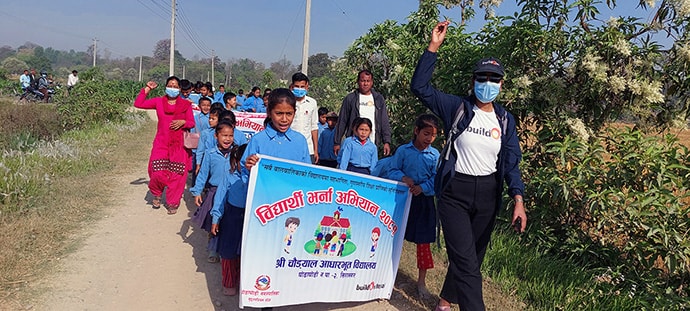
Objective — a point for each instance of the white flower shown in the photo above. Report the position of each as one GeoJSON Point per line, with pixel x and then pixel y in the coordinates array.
{"type": "Point", "coordinates": [683, 52]}
{"type": "Point", "coordinates": [652, 92]}
{"type": "Point", "coordinates": [623, 47]}
{"type": "Point", "coordinates": [635, 87]}
{"type": "Point", "coordinates": [651, 3]}
{"type": "Point", "coordinates": [392, 45]}
{"type": "Point", "coordinates": [614, 22]}
{"type": "Point", "coordinates": [523, 81]}
{"type": "Point", "coordinates": [578, 128]}
{"type": "Point", "coordinates": [617, 84]}
{"type": "Point", "coordinates": [682, 7]}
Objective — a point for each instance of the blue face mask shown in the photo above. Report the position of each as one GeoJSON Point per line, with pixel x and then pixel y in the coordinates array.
{"type": "Point", "coordinates": [172, 92]}
{"type": "Point", "coordinates": [299, 92]}
{"type": "Point", "coordinates": [487, 91]}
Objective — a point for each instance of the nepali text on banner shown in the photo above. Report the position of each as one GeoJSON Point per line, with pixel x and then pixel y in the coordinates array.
{"type": "Point", "coordinates": [317, 234]}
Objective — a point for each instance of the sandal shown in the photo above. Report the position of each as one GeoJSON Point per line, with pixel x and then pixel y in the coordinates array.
{"type": "Point", "coordinates": [172, 209]}
{"type": "Point", "coordinates": [156, 202]}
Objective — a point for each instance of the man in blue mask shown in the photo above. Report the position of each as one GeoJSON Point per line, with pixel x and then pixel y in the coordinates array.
{"type": "Point", "coordinates": [306, 119]}
{"type": "Point", "coordinates": [481, 154]}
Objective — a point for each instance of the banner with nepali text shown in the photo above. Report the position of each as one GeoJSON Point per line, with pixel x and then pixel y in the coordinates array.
{"type": "Point", "coordinates": [317, 234]}
{"type": "Point", "coordinates": [249, 123]}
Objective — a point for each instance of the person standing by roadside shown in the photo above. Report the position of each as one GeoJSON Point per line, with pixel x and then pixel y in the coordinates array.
{"type": "Point", "coordinates": [24, 80]}
{"type": "Point", "coordinates": [482, 152]}
{"type": "Point", "coordinates": [72, 80]}
{"type": "Point", "coordinates": [366, 103]}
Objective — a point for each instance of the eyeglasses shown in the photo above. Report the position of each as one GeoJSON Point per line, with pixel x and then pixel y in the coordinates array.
{"type": "Point", "coordinates": [482, 79]}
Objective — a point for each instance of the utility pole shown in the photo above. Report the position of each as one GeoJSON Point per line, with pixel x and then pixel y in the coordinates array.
{"type": "Point", "coordinates": [213, 74]}
{"type": "Point", "coordinates": [94, 51]}
{"type": "Point", "coordinates": [140, 61]}
{"type": "Point", "coordinates": [172, 40]}
{"type": "Point", "coordinates": [184, 71]}
{"type": "Point", "coordinates": [305, 46]}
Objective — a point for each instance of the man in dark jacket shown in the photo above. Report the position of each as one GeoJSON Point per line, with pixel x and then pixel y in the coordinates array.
{"type": "Point", "coordinates": [366, 103]}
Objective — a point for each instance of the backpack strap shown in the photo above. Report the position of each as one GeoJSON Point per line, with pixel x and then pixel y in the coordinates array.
{"type": "Point", "coordinates": [452, 135]}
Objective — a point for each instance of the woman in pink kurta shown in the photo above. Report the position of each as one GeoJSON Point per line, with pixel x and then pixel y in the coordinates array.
{"type": "Point", "coordinates": [170, 160]}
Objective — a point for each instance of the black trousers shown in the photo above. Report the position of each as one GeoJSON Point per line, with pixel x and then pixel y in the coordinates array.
{"type": "Point", "coordinates": [467, 210]}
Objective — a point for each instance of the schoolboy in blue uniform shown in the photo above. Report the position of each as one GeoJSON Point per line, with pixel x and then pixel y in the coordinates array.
{"type": "Point", "coordinates": [208, 141]}
{"type": "Point", "coordinates": [326, 155]}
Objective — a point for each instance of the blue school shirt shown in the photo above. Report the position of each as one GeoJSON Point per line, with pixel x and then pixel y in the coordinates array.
{"type": "Point", "coordinates": [201, 122]}
{"type": "Point", "coordinates": [214, 168]}
{"type": "Point", "coordinates": [418, 165]}
{"type": "Point", "coordinates": [321, 128]}
{"type": "Point", "coordinates": [326, 145]}
{"type": "Point", "coordinates": [233, 190]}
{"type": "Point", "coordinates": [240, 100]}
{"type": "Point", "coordinates": [252, 103]}
{"type": "Point", "coordinates": [360, 155]}
{"type": "Point", "coordinates": [261, 108]}
{"type": "Point", "coordinates": [290, 145]}
{"type": "Point", "coordinates": [218, 97]}
{"type": "Point", "coordinates": [195, 97]}
{"type": "Point", "coordinates": [206, 142]}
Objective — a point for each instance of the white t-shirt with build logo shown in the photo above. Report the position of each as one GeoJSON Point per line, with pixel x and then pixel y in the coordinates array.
{"type": "Point", "coordinates": [479, 144]}
{"type": "Point", "coordinates": [368, 110]}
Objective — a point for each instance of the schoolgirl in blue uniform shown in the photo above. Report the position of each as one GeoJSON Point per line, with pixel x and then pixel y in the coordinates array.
{"type": "Point", "coordinates": [415, 164]}
{"type": "Point", "coordinates": [277, 139]}
{"type": "Point", "coordinates": [228, 213]}
{"type": "Point", "coordinates": [213, 169]}
{"type": "Point", "coordinates": [358, 153]}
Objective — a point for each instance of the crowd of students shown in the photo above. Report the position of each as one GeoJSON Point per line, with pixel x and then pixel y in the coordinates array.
{"type": "Point", "coordinates": [296, 129]}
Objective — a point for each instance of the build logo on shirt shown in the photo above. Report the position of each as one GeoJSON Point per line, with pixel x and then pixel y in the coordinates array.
{"type": "Point", "coordinates": [494, 133]}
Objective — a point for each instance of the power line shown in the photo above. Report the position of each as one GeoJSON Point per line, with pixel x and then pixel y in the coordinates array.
{"type": "Point", "coordinates": [297, 17]}
{"type": "Point", "coordinates": [154, 11]}
{"type": "Point", "coordinates": [192, 35]}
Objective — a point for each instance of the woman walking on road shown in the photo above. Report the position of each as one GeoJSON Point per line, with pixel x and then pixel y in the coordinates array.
{"type": "Point", "coordinates": [170, 160]}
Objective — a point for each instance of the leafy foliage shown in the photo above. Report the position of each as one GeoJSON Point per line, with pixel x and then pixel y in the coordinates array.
{"type": "Point", "coordinates": [96, 101]}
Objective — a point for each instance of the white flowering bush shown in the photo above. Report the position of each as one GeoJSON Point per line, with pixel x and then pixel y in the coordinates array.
{"type": "Point", "coordinates": [603, 199]}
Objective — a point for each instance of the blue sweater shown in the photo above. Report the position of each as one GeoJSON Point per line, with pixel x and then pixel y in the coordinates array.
{"type": "Point", "coordinates": [418, 165]}
{"type": "Point", "coordinates": [445, 106]}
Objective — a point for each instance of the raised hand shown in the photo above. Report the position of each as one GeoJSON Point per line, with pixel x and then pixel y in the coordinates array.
{"type": "Point", "coordinates": [438, 34]}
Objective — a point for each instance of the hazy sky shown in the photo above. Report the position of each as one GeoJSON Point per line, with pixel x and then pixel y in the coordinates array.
{"type": "Point", "coordinates": [264, 30]}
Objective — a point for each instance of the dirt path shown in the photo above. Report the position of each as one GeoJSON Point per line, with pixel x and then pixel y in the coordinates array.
{"type": "Point", "coordinates": [138, 258]}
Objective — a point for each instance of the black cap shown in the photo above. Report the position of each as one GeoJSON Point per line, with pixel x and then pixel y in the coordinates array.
{"type": "Point", "coordinates": [489, 64]}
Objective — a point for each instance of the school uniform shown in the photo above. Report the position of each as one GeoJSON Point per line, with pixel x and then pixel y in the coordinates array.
{"type": "Point", "coordinates": [326, 155]}
{"type": "Point", "coordinates": [212, 172]}
{"type": "Point", "coordinates": [358, 156]}
{"type": "Point", "coordinates": [290, 145]}
{"type": "Point", "coordinates": [421, 167]}
{"type": "Point", "coordinates": [208, 140]}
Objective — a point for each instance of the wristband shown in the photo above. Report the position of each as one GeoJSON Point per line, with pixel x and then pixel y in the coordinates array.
{"type": "Point", "coordinates": [519, 200]}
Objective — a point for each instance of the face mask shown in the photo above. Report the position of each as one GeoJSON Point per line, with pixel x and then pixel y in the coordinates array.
{"type": "Point", "coordinates": [486, 92]}
{"type": "Point", "coordinates": [299, 92]}
{"type": "Point", "coordinates": [172, 92]}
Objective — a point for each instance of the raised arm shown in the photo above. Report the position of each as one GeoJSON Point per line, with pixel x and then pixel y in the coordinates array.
{"type": "Point", "coordinates": [141, 102]}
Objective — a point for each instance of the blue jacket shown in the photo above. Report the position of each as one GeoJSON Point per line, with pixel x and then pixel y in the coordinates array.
{"type": "Point", "coordinates": [446, 106]}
